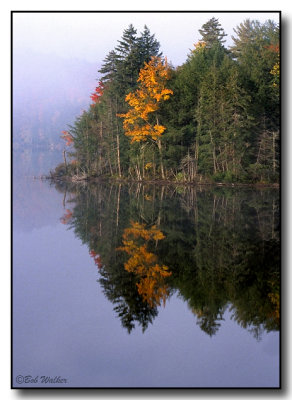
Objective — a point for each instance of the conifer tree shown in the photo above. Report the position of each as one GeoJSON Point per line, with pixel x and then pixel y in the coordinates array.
{"type": "Point", "coordinates": [212, 33]}
{"type": "Point", "coordinates": [221, 120]}
{"type": "Point", "coordinates": [148, 46]}
{"type": "Point", "coordinates": [246, 33]}
{"type": "Point", "coordinates": [256, 49]}
{"type": "Point", "coordinates": [128, 60]}
{"type": "Point", "coordinates": [109, 67]}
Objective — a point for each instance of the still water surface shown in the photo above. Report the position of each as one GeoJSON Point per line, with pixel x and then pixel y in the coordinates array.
{"type": "Point", "coordinates": [145, 286]}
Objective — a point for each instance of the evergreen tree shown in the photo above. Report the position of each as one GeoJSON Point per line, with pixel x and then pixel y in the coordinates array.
{"type": "Point", "coordinates": [212, 33]}
{"type": "Point", "coordinates": [109, 67]}
{"type": "Point", "coordinates": [128, 60]}
{"type": "Point", "coordinates": [246, 34]}
{"type": "Point", "coordinates": [221, 121]}
{"type": "Point", "coordinates": [148, 46]}
{"type": "Point", "coordinates": [256, 49]}
{"type": "Point", "coordinates": [127, 42]}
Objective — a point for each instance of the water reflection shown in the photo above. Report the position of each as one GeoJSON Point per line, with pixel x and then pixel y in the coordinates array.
{"type": "Point", "coordinates": [144, 264]}
{"type": "Point", "coordinates": [218, 248]}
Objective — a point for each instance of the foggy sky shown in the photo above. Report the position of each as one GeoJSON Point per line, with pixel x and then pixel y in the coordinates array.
{"type": "Point", "coordinates": [90, 36]}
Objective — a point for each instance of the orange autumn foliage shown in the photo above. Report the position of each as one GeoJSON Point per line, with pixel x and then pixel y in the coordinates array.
{"type": "Point", "coordinates": [199, 45]}
{"type": "Point", "coordinates": [145, 101]}
{"type": "Point", "coordinates": [66, 217]}
{"type": "Point", "coordinates": [151, 285]}
{"type": "Point", "coordinates": [67, 137]}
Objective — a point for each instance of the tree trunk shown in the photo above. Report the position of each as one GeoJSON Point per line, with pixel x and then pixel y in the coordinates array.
{"type": "Point", "coordinates": [160, 158]}
{"type": "Point", "coordinates": [274, 152]}
{"type": "Point", "coordinates": [118, 154]}
{"type": "Point", "coordinates": [65, 161]}
{"type": "Point", "coordinates": [110, 165]}
{"type": "Point", "coordinates": [118, 207]}
{"type": "Point", "coordinates": [196, 156]}
{"type": "Point", "coordinates": [214, 153]}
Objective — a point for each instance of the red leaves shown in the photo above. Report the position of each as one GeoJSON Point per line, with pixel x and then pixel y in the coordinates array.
{"type": "Point", "coordinates": [274, 48]}
{"type": "Point", "coordinates": [96, 258]}
{"type": "Point", "coordinates": [67, 137]}
{"type": "Point", "coordinates": [66, 217]}
{"type": "Point", "coordinates": [95, 97]}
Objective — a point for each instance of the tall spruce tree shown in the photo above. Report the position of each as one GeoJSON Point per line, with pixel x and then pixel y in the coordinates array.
{"type": "Point", "coordinates": [212, 32]}
{"type": "Point", "coordinates": [148, 46]}
{"type": "Point", "coordinates": [128, 60]}
{"type": "Point", "coordinates": [222, 121]}
{"type": "Point", "coordinates": [109, 67]}
{"type": "Point", "coordinates": [246, 33]}
{"type": "Point", "coordinates": [256, 49]}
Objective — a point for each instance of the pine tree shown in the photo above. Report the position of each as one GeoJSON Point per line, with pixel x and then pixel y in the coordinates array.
{"type": "Point", "coordinates": [109, 67]}
{"type": "Point", "coordinates": [127, 42]}
{"type": "Point", "coordinates": [128, 59]}
{"type": "Point", "coordinates": [148, 46]}
{"type": "Point", "coordinates": [256, 49]}
{"type": "Point", "coordinates": [246, 34]}
{"type": "Point", "coordinates": [221, 120]}
{"type": "Point", "coordinates": [212, 33]}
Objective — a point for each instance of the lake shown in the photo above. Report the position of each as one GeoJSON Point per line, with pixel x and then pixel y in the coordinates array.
{"type": "Point", "coordinates": [145, 285]}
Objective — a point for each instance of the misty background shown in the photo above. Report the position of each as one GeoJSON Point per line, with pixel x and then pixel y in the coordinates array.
{"type": "Point", "coordinates": [56, 58]}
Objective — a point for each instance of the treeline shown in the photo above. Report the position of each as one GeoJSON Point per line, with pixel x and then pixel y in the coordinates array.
{"type": "Point", "coordinates": [216, 248]}
{"type": "Point", "coordinates": [214, 118]}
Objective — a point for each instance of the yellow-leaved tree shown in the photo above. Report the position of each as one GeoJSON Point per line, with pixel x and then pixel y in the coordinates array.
{"type": "Point", "coordinates": [141, 121]}
{"type": "Point", "coordinates": [144, 264]}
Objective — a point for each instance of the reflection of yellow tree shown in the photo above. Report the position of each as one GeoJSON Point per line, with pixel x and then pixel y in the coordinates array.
{"type": "Point", "coordinates": [144, 264]}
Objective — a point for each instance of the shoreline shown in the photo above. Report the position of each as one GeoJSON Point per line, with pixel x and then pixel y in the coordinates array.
{"type": "Point", "coordinates": [257, 185]}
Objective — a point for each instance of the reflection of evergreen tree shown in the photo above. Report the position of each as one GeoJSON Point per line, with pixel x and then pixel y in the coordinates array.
{"type": "Point", "coordinates": [236, 259]}
{"type": "Point", "coordinates": [100, 215]}
{"type": "Point", "coordinates": [220, 245]}
{"type": "Point", "coordinates": [208, 319]}
{"type": "Point", "coordinates": [120, 288]}
{"type": "Point", "coordinates": [256, 275]}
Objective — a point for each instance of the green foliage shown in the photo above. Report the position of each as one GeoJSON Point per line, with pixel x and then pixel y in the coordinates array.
{"type": "Point", "coordinates": [212, 33]}
{"type": "Point", "coordinates": [221, 123]}
{"type": "Point", "coordinates": [59, 171]}
{"type": "Point", "coordinates": [220, 245]}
